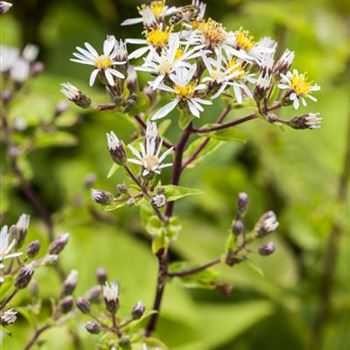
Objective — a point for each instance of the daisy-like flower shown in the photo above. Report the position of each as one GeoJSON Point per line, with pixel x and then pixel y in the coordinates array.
{"type": "Point", "coordinates": [156, 38]}
{"type": "Point", "coordinates": [170, 58]}
{"type": "Point", "coordinates": [8, 317]}
{"type": "Point", "coordinates": [111, 296]}
{"type": "Point", "coordinates": [220, 74]}
{"type": "Point", "coordinates": [104, 63]}
{"type": "Point", "coordinates": [6, 246]}
{"type": "Point", "coordinates": [185, 90]}
{"type": "Point", "coordinates": [298, 88]}
{"type": "Point", "coordinates": [8, 57]}
{"type": "Point", "coordinates": [149, 157]}
{"type": "Point", "coordinates": [151, 14]}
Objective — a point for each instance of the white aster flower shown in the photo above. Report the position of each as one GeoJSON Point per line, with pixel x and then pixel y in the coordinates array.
{"type": "Point", "coordinates": [156, 38]}
{"type": "Point", "coordinates": [103, 63]}
{"type": "Point", "coordinates": [30, 52]}
{"type": "Point", "coordinates": [151, 14]}
{"type": "Point", "coordinates": [111, 291]}
{"type": "Point", "coordinates": [185, 91]}
{"type": "Point", "coordinates": [6, 246]}
{"type": "Point", "coordinates": [8, 57]}
{"type": "Point", "coordinates": [149, 157]}
{"type": "Point", "coordinates": [298, 87]}
{"type": "Point", "coordinates": [170, 58]}
{"type": "Point", "coordinates": [8, 317]}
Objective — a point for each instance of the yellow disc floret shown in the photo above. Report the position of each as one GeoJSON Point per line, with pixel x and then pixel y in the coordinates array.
{"type": "Point", "coordinates": [103, 62]}
{"type": "Point", "coordinates": [158, 37]}
{"type": "Point", "coordinates": [179, 53]}
{"type": "Point", "coordinates": [236, 66]}
{"type": "Point", "coordinates": [213, 32]}
{"type": "Point", "coordinates": [244, 41]}
{"type": "Point", "coordinates": [150, 162]}
{"type": "Point", "coordinates": [300, 84]}
{"type": "Point", "coordinates": [185, 92]}
{"type": "Point", "coordinates": [158, 7]}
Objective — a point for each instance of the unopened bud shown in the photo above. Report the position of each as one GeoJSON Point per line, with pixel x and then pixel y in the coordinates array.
{"type": "Point", "coordinates": [267, 249]}
{"type": "Point", "coordinates": [122, 188]}
{"type": "Point", "coordinates": [138, 310]}
{"type": "Point", "coordinates": [49, 260]}
{"type": "Point", "coordinates": [75, 95]}
{"type": "Point", "coordinates": [66, 304]}
{"type": "Point", "coordinates": [116, 148]}
{"type": "Point", "coordinates": [242, 203]}
{"type": "Point", "coordinates": [8, 317]}
{"type": "Point", "coordinates": [307, 121]}
{"type": "Point", "coordinates": [92, 327]}
{"type": "Point", "coordinates": [4, 6]}
{"type": "Point", "coordinates": [266, 224]}
{"type": "Point", "coordinates": [101, 197]}
{"type": "Point", "coordinates": [90, 180]}
{"type": "Point", "coordinates": [284, 63]}
{"type": "Point", "coordinates": [101, 275]}
{"type": "Point", "coordinates": [60, 108]}
{"type": "Point", "coordinates": [83, 305]}
{"type": "Point", "coordinates": [59, 244]}
{"type": "Point", "coordinates": [33, 249]}
{"type": "Point", "coordinates": [22, 228]}
{"type": "Point", "coordinates": [238, 227]}
{"type": "Point", "coordinates": [25, 275]}
{"type": "Point", "coordinates": [111, 296]}
{"type": "Point", "coordinates": [70, 283]}
{"type": "Point", "coordinates": [94, 295]}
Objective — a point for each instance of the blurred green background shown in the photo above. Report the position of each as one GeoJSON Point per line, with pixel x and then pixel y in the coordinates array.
{"type": "Point", "coordinates": [292, 172]}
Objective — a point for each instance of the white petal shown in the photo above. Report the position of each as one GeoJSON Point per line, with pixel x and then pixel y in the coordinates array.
{"type": "Point", "coordinates": [109, 77]}
{"type": "Point", "coordinates": [82, 62]}
{"type": "Point", "coordinates": [93, 77]}
{"type": "Point", "coordinates": [135, 152]}
{"type": "Point", "coordinates": [131, 21]}
{"type": "Point", "coordinates": [136, 41]}
{"type": "Point", "coordinates": [165, 110]}
{"type": "Point", "coordinates": [91, 49]}
{"type": "Point", "coordinates": [193, 109]}
{"type": "Point", "coordinates": [139, 52]}
{"type": "Point", "coordinates": [116, 73]}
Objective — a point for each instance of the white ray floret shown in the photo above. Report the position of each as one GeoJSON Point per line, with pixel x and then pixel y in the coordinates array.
{"type": "Point", "coordinates": [104, 63]}
{"type": "Point", "coordinates": [6, 246]}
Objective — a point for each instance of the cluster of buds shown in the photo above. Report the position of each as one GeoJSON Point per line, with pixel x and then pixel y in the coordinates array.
{"type": "Point", "coordinates": [18, 263]}
{"type": "Point", "coordinates": [101, 304]}
{"type": "Point", "coordinates": [240, 239]}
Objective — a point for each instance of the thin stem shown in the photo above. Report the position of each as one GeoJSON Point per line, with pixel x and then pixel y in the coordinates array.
{"type": "Point", "coordinates": [36, 335]}
{"type": "Point", "coordinates": [8, 298]}
{"type": "Point", "coordinates": [331, 255]}
{"type": "Point", "coordinates": [195, 269]}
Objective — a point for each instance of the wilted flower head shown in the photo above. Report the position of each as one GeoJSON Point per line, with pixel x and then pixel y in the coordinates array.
{"type": "Point", "coordinates": [159, 200]}
{"type": "Point", "coordinates": [307, 121]}
{"type": "Point", "coordinates": [266, 224]}
{"type": "Point", "coordinates": [8, 317]}
{"type": "Point", "coordinates": [104, 63]}
{"type": "Point", "coordinates": [150, 158]}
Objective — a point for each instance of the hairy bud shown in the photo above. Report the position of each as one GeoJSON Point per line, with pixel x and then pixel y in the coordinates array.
{"type": "Point", "coordinates": [75, 95]}
{"type": "Point", "coordinates": [242, 203]}
{"type": "Point", "coordinates": [116, 148]}
{"type": "Point", "coordinates": [111, 296]}
{"type": "Point", "coordinates": [138, 310]}
{"type": "Point", "coordinates": [92, 327]}
{"type": "Point", "coordinates": [307, 121]}
{"type": "Point", "coordinates": [238, 227]}
{"type": "Point", "coordinates": [101, 275]}
{"type": "Point", "coordinates": [83, 305]}
{"type": "Point", "coordinates": [70, 283]}
{"type": "Point", "coordinates": [25, 275]}
{"type": "Point", "coordinates": [33, 249]}
{"type": "Point", "coordinates": [94, 295]}
{"type": "Point", "coordinates": [66, 304]}
{"type": "Point", "coordinates": [101, 197]}
{"type": "Point", "coordinates": [22, 228]}
{"type": "Point", "coordinates": [59, 244]}
{"type": "Point", "coordinates": [266, 224]}
{"type": "Point", "coordinates": [267, 249]}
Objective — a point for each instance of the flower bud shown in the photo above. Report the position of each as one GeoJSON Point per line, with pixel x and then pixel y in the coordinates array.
{"type": "Point", "coordinates": [83, 305]}
{"type": "Point", "coordinates": [307, 121]}
{"type": "Point", "coordinates": [60, 108]}
{"type": "Point", "coordinates": [267, 249]}
{"type": "Point", "coordinates": [90, 180]}
{"type": "Point", "coordinates": [75, 95]}
{"type": "Point", "coordinates": [4, 6]}
{"type": "Point", "coordinates": [37, 68]}
{"type": "Point", "coordinates": [284, 63]}
{"type": "Point", "coordinates": [8, 317]}
{"type": "Point", "coordinates": [138, 310]}
{"type": "Point", "coordinates": [122, 188]}
{"type": "Point", "coordinates": [92, 327]}
{"type": "Point", "coordinates": [66, 304]}
{"type": "Point", "coordinates": [238, 227]}
{"type": "Point", "coordinates": [33, 249]}
{"type": "Point", "coordinates": [94, 295]}
{"type": "Point", "coordinates": [101, 275]}
{"type": "Point", "coordinates": [111, 296]}
{"type": "Point", "coordinates": [242, 203]}
{"type": "Point", "coordinates": [22, 228]}
{"type": "Point", "coordinates": [266, 224]}
{"type": "Point", "coordinates": [159, 200]}
{"type": "Point", "coordinates": [59, 244]}
{"type": "Point", "coordinates": [49, 260]}
{"type": "Point", "coordinates": [25, 275]}
{"type": "Point", "coordinates": [70, 283]}
{"type": "Point", "coordinates": [116, 148]}
{"type": "Point", "coordinates": [101, 197]}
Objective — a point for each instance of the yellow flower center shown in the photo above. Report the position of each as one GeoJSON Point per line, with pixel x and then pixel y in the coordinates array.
{"type": "Point", "coordinates": [158, 7]}
{"type": "Point", "coordinates": [178, 53]}
{"type": "Point", "coordinates": [185, 92]}
{"type": "Point", "coordinates": [158, 37]}
{"type": "Point", "coordinates": [300, 84]}
{"type": "Point", "coordinates": [103, 62]}
{"type": "Point", "coordinates": [214, 32]}
{"type": "Point", "coordinates": [236, 66]}
{"type": "Point", "coordinates": [217, 74]}
{"type": "Point", "coordinates": [165, 67]}
{"type": "Point", "coordinates": [244, 41]}
{"type": "Point", "coordinates": [150, 162]}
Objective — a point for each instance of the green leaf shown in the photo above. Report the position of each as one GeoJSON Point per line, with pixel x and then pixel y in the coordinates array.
{"type": "Point", "coordinates": [58, 138]}
{"type": "Point", "coordinates": [203, 279]}
{"type": "Point", "coordinates": [229, 134]}
{"type": "Point", "coordinates": [113, 170]}
{"type": "Point", "coordinates": [142, 104]}
{"type": "Point", "coordinates": [154, 226]}
{"type": "Point", "coordinates": [173, 193]}
{"type": "Point", "coordinates": [158, 243]}
{"type": "Point", "coordinates": [185, 119]}
{"type": "Point", "coordinates": [67, 119]}
{"type": "Point", "coordinates": [255, 267]}
{"type": "Point", "coordinates": [173, 228]}
{"type": "Point", "coordinates": [210, 147]}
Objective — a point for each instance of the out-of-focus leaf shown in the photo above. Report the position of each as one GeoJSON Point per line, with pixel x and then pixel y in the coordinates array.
{"type": "Point", "coordinates": [185, 119]}
{"type": "Point", "coordinates": [113, 170]}
{"type": "Point", "coordinates": [229, 134]}
{"type": "Point", "coordinates": [173, 193]}
{"type": "Point", "coordinates": [58, 138]}
{"type": "Point", "coordinates": [142, 104]}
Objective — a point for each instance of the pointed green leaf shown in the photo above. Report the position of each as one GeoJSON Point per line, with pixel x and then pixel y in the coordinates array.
{"type": "Point", "coordinates": [173, 193]}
